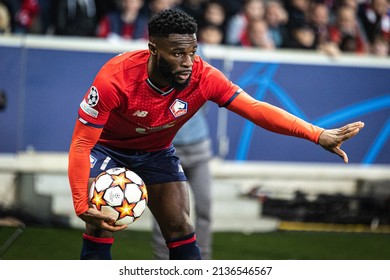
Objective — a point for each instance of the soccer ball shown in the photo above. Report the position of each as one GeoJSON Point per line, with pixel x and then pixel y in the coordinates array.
{"type": "Point", "coordinates": [119, 193]}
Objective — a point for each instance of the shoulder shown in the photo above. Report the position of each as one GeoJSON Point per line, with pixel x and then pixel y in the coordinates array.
{"type": "Point", "coordinates": [128, 64]}
{"type": "Point", "coordinates": [213, 84]}
{"type": "Point", "coordinates": [128, 60]}
{"type": "Point", "coordinates": [201, 66]}
{"type": "Point", "coordinates": [121, 71]}
{"type": "Point", "coordinates": [205, 71]}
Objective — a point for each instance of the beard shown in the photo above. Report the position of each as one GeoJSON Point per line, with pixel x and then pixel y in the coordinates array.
{"type": "Point", "coordinates": [166, 72]}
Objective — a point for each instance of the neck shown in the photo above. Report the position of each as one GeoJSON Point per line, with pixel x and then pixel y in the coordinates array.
{"type": "Point", "coordinates": [154, 75]}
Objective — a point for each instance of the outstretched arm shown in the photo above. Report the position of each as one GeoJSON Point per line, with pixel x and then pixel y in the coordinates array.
{"type": "Point", "coordinates": [273, 118]}
{"type": "Point", "coordinates": [280, 121]}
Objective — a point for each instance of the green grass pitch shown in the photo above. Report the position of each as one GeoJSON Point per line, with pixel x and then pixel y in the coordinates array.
{"type": "Point", "coordinates": [48, 243]}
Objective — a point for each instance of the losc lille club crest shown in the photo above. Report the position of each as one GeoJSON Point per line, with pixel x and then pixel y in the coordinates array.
{"type": "Point", "coordinates": [178, 108]}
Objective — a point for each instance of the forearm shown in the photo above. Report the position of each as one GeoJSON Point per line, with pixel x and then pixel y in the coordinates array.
{"type": "Point", "coordinates": [273, 118]}
{"type": "Point", "coordinates": [84, 138]}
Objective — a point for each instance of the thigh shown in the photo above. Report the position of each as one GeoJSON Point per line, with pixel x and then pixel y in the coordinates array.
{"type": "Point", "coordinates": [169, 204]}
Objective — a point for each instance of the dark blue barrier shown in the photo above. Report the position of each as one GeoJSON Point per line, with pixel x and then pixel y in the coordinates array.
{"type": "Point", "coordinates": [45, 86]}
{"type": "Point", "coordinates": [11, 81]}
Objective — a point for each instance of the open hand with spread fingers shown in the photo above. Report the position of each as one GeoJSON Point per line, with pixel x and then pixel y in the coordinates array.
{"type": "Point", "coordinates": [332, 139]}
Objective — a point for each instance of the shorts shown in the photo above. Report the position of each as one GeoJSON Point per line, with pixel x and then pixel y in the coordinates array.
{"type": "Point", "coordinates": [153, 167]}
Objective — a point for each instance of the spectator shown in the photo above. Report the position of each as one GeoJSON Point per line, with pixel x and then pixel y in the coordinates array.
{"type": "Point", "coordinates": [276, 18]}
{"type": "Point", "coordinates": [210, 34]}
{"type": "Point", "coordinates": [11, 9]}
{"type": "Point", "coordinates": [380, 47]}
{"type": "Point", "coordinates": [236, 25]}
{"type": "Point", "coordinates": [346, 34]}
{"type": "Point", "coordinates": [49, 11]}
{"type": "Point", "coordinates": [297, 11]}
{"type": "Point", "coordinates": [44, 17]}
{"type": "Point", "coordinates": [155, 6]}
{"type": "Point", "coordinates": [193, 7]}
{"type": "Point", "coordinates": [300, 36]}
{"type": "Point", "coordinates": [257, 35]}
{"type": "Point", "coordinates": [214, 13]}
{"type": "Point", "coordinates": [75, 18]}
{"type": "Point", "coordinates": [319, 20]}
{"type": "Point", "coordinates": [375, 18]}
{"type": "Point", "coordinates": [126, 22]}
{"type": "Point", "coordinates": [349, 3]}
{"type": "Point", "coordinates": [5, 19]}
{"type": "Point", "coordinates": [26, 17]}
{"type": "Point", "coordinates": [232, 7]}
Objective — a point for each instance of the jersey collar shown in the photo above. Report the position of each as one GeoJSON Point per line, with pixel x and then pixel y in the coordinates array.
{"type": "Point", "coordinates": [158, 90]}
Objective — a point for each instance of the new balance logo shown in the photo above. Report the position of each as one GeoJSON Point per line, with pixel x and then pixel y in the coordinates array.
{"type": "Point", "coordinates": [140, 114]}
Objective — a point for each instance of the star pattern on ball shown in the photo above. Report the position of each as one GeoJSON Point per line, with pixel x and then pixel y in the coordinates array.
{"type": "Point", "coordinates": [120, 180]}
{"type": "Point", "coordinates": [125, 209]}
{"type": "Point", "coordinates": [144, 192]}
{"type": "Point", "coordinates": [120, 193]}
{"type": "Point", "coordinates": [97, 199]}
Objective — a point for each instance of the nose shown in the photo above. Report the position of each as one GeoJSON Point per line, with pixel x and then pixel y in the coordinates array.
{"type": "Point", "coordinates": [188, 61]}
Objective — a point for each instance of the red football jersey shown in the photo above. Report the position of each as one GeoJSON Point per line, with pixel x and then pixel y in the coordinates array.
{"type": "Point", "coordinates": [135, 114]}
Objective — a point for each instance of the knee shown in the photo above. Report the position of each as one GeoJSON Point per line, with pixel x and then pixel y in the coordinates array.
{"type": "Point", "coordinates": [177, 229]}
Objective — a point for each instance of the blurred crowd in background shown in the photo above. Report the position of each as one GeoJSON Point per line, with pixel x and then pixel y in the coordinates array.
{"type": "Point", "coordinates": [333, 26]}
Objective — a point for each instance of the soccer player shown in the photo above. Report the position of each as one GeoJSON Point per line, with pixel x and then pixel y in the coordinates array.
{"type": "Point", "coordinates": [131, 113]}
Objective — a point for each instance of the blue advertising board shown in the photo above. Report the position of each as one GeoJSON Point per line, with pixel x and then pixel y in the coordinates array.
{"type": "Point", "coordinates": [45, 85]}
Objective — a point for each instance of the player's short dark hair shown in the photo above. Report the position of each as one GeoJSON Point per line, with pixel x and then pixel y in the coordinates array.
{"type": "Point", "coordinates": [171, 21]}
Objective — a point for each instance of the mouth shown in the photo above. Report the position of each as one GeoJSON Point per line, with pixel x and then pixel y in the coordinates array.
{"type": "Point", "coordinates": [183, 75]}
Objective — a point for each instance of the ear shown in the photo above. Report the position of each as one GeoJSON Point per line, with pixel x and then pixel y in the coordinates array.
{"type": "Point", "coordinates": [152, 48]}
